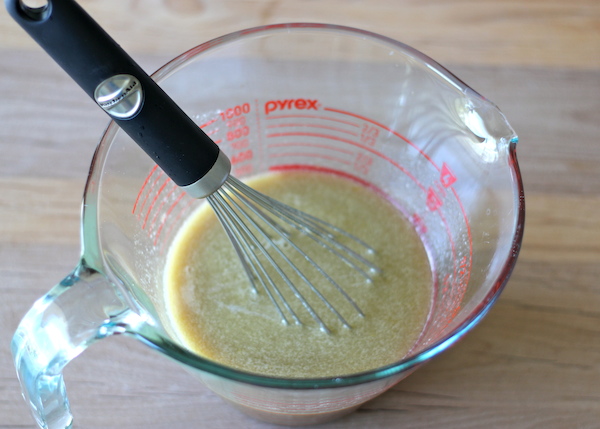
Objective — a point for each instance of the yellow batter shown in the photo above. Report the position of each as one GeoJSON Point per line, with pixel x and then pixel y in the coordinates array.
{"type": "Point", "coordinates": [215, 313]}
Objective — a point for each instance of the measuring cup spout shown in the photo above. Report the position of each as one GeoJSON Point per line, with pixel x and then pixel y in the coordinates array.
{"type": "Point", "coordinates": [492, 132]}
{"type": "Point", "coordinates": [80, 310]}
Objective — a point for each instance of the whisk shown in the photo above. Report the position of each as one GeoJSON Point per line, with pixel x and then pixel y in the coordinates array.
{"type": "Point", "coordinates": [259, 227]}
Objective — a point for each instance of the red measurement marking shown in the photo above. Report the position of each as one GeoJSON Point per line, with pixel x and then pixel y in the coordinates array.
{"type": "Point", "coordinates": [258, 130]}
{"type": "Point", "coordinates": [325, 127]}
{"type": "Point", "coordinates": [313, 145]}
{"type": "Point", "coordinates": [167, 216]}
{"type": "Point", "coordinates": [311, 155]}
{"type": "Point", "coordinates": [434, 202]}
{"type": "Point", "coordinates": [212, 121]}
{"type": "Point", "coordinates": [158, 211]}
{"type": "Point", "coordinates": [242, 156]}
{"type": "Point", "coordinates": [232, 112]}
{"type": "Point", "coordinates": [238, 133]}
{"type": "Point", "coordinates": [174, 221]}
{"type": "Point", "coordinates": [154, 200]}
{"type": "Point", "coordinates": [452, 250]}
{"type": "Point", "coordinates": [427, 157]}
{"type": "Point", "coordinates": [437, 191]}
{"type": "Point", "coordinates": [240, 144]}
{"type": "Point", "coordinates": [363, 162]}
{"type": "Point", "coordinates": [463, 270]}
{"type": "Point", "coordinates": [143, 187]}
{"type": "Point", "coordinates": [152, 186]}
{"type": "Point", "coordinates": [447, 285]}
{"type": "Point", "coordinates": [419, 224]}
{"type": "Point", "coordinates": [240, 121]}
{"type": "Point", "coordinates": [326, 118]}
{"type": "Point", "coordinates": [353, 143]}
{"type": "Point", "coordinates": [243, 170]}
{"type": "Point", "coordinates": [447, 177]}
{"type": "Point", "coordinates": [322, 136]}
{"type": "Point", "coordinates": [364, 118]}
{"type": "Point", "coordinates": [369, 134]}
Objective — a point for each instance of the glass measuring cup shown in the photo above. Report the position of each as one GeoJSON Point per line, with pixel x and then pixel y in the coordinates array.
{"type": "Point", "coordinates": [292, 96]}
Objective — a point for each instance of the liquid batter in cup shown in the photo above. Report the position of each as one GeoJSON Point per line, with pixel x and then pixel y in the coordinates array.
{"type": "Point", "coordinates": [215, 312]}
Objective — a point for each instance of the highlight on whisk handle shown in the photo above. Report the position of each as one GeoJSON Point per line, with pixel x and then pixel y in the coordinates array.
{"type": "Point", "coordinates": [121, 87]}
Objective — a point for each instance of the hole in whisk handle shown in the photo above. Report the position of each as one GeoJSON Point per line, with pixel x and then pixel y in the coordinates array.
{"type": "Point", "coordinates": [36, 10]}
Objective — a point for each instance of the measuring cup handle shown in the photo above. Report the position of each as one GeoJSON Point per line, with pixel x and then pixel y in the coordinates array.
{"type": "Point", "coordinates": [80, 310]}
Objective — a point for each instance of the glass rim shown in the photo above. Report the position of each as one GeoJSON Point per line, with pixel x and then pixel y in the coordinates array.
{"type": "Point", "coordinates": [165, 345]}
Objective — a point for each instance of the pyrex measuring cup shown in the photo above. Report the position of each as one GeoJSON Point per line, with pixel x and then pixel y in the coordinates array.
{"type": "Point", "coordinates": [292, 96]}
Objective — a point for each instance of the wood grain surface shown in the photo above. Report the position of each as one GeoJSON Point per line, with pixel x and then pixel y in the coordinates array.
{"type": "Point", "coordinates": [534, 361]}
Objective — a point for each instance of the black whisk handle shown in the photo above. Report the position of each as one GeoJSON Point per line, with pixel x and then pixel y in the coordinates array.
{"type": "Point", "coordinates": [120, 86]}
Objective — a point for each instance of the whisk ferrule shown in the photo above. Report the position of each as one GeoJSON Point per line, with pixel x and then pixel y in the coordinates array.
{"type": "Point", "coordinates": [212, 180]}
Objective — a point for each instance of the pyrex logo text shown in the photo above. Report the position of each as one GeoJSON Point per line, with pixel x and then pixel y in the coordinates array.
{"type": "Point", "coordinates": [294, 103]}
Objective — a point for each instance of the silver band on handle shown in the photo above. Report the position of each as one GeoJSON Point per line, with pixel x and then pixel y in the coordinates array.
{"type": "Point", "coordinates": [211, 181]}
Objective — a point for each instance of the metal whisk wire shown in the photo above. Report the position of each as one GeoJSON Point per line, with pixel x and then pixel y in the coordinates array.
{"type": "Point", "coordinates": [255, 223]}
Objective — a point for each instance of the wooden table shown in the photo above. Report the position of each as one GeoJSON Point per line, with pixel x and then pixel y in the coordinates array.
{"type": "Point", "coordinates": [534, 362]}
